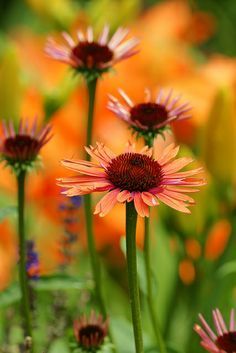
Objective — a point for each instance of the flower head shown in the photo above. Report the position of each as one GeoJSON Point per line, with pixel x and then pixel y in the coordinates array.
{"type": "Point", "coordinates": [93, 57]}
{"type": "Point", "coordinates": [91, 331]}
{"type": "Point", "coordinates": [20, 148]}
{"type": "Point", "coordinates": [133, 176]}
{"type": "Point", "coordinates": [152, 116]}
{"type": "Point", "coordinates": [224, 341]}
{"type": "Point", "coordinates": [32, 261]}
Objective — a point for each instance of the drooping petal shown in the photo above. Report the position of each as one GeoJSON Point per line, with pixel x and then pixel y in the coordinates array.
{"type": "Point", "coordinates": [178, 196]}
{"type": "Point", "coordinates": [124, 196]}
{"type": "Point", "coordinates": [140, 206]}
{"type": "Point", "coordinates": [149, 198]}
{"type": "Point", "coordinates": [106, 203]}
{"type": "Point", "coordinates": [177, 205]}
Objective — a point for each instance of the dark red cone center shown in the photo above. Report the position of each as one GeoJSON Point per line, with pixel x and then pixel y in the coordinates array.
{"type": "Point", "coordinates": [21, 147]}
{"type": "Point", "coordinates": [91, 336]}
{"type": "Point", "coordinates": [227, 342]}
{"type": "Point", "coordinates": [134, 172]}
{"type": "Point", "coordinates": [149, 114]}
{"type": "Point", "coordinates": [92, 54]}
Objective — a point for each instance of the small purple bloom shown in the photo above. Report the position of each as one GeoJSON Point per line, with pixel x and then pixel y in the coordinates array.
{"type": "Point", "coordinates": [32, 261]}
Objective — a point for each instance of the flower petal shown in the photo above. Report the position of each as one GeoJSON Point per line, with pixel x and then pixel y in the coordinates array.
{"type": "Point", "coordinates": [141, 207]}
{"type": "Point", "coordinates": [149, 198]}
{"type": "Point", "coordinates": [177, 205]}
{"type": "Point", "coordinates": [107, 203]}
{"type": "Point", "coordinates": [124, 195]}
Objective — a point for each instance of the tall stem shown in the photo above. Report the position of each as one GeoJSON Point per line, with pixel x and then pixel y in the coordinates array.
{"type": "Point", "coordinates": [151, 307]}
{"type": "Point", "coordinates": [95, 265]}
{"type": "Point", "coordinates": [131, 221]}
{"type": "Point", "coordinates": [91, 87]}
{"type": "Point", "coordinates": [22, 255]}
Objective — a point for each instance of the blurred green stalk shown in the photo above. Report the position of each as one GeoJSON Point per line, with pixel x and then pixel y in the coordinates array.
{"type": "Point", "coordinates": [95, 265]}
{"type": "Point", "coordinates": [22, 254]}
{"type": "Point", "coordinates": [131, 222]}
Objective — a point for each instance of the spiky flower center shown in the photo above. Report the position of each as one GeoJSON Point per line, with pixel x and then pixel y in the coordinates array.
{"type": "Point", "coordinates": [91, 336]}
{"type": "Point", "coordinates": [227, 342]}
{"type": "Point", "coordinates": [21, 147]}
{"type": "Point", "coordinates": [92, 54]}
{"type": "Point", "coordinates": [134, 172]}
{"type": "Point", "coordinates": [149, 114]}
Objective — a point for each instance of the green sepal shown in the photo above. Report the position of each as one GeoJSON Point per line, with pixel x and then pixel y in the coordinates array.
{"type": "Point", "coordinates": [150, 135]}
{"type": "Point", "coordinates": [91, 74]}
{"type": "Point", "coordinates": [18, 166]}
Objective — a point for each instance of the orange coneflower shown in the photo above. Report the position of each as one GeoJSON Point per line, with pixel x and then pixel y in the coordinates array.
{"type": "Point", "coordinates": [153, 114]}
{"type": "Point", "coordinates": [133, 176]}
{"type": "Point", "coordinates": [86, 54]}
{"type": "Point", "coordinates": [224, 341]}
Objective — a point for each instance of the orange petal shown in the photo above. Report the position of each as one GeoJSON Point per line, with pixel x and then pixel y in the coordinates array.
{"type": "Point", "coordinates": [140, 205]}
{"type": "Point", "coordinates": [176, 165]}
{"type": "Point", "coordinates": [123, 196]}
{"type": "Point", "coordinates": [149, 199]}
{"type": "Point", "coordinates": [177, 205]}
{"type": "Point", "coordinates": [106, 203]}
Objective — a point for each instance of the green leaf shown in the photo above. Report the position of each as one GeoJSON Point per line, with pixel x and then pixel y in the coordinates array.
{"type": "Point", "coordinates": [123, 334]}
{"type": "Point", "coordinates": [62, 282]}
{"type": "Point", "coordinates": [153, 349]}
{"type": "Point", "coordinates": [10, 295]}
{"type": "Point", "coordinates": [7, 212]}
{"type": "Point", "coordinates": [227, 269]}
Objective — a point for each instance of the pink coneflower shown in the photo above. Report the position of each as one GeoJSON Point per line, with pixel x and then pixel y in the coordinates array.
{"type": "Point", "coordinates": [23, 145]}
{"type": "Point", "coordinates": [133, 176]}
{"type": "Point", "coordinates": [86, 53]}
{"type": "Point", "coordinates": [224, 341]}
{"type": "Point", "coordinates": [90, 332]}
{"type": "Point", "coordinates": [152, 115]}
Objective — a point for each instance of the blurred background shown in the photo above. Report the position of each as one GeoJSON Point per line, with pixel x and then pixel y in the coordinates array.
{"type": "Point", "coordinates": [187, 45]}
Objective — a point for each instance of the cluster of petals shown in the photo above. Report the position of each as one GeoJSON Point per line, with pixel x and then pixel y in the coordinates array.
{"type": "Point", "coordinates": [24, 143]}
{"type": "Point", "coordinates": [170, 189]}
{"type": "Point", "coordinates": [164, 109]}
{"type": "Point", "coordinates": [118, 46]}
{"type": "Point", "coordinates": [224, 340]}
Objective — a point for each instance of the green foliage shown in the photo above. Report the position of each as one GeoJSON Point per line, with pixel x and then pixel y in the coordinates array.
{"type": "Point", "coordinates": [11, 87]}
{"type": "Point", "coordinates": [59, 346]}
{"type": "Point", "coordinates": [10, 295]}
{"type": "Point", "coordinates": [62, 282]}
{"type": "Point", "coordinates": [8, 211]}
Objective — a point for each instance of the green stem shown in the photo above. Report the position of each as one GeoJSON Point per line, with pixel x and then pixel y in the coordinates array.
{"type": "Point", "coordinates": [95, 265]}
{"type": "Point", "coordinates": [22, 254]}
{"type": "Point", "coordinates": [155, 322]}
{"type": "Point", "coordinates": [131, 221]}
{"type": "Point", "coordinates": [151, 307]}
{"type": "Point", "coordinates": [91, 87]}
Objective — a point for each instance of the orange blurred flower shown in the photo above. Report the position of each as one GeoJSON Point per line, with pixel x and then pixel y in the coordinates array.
{"type": "Point", "coordinates": [193, 248]}
{"type": "Point", "coordinates": [187, 271]}
{"type": "Point", "coordinates": [8, 254]}
{"type": "Point", "coordinates": [217, 239]}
